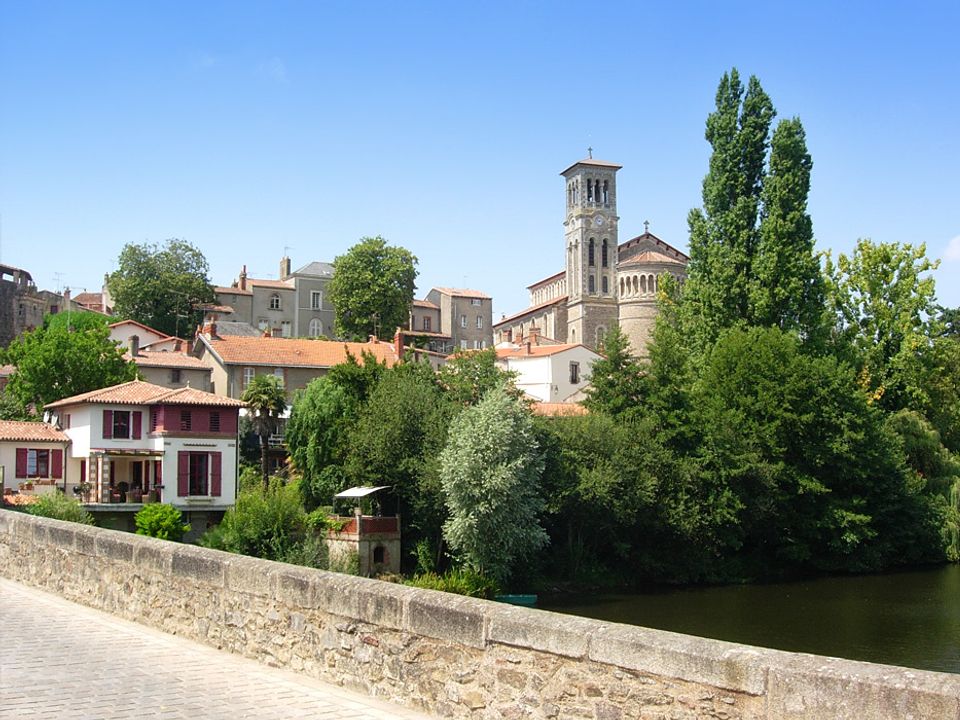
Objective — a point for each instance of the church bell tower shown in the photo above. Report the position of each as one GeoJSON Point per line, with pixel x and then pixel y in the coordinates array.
{"type": "Point", "coordinates": [590, 233]}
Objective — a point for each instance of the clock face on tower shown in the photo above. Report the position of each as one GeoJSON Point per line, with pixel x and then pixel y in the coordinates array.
{"type": "Point", "coordinates": [598, 220]}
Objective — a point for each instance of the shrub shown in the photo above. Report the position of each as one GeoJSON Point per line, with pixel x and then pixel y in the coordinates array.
{"type": "Point", "coordinates": [58, 506]}
{"type": "Point", "coordinates": [458, 581]}
{"type": "Point", "coordinates": [161, 521]}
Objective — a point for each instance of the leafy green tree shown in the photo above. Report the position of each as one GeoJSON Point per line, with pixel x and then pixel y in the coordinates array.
{"type": "Point", "coordinates": [266, 401]}
{"type": "Point", "coordinates": [490, 475]}
{"type": "Point", "coordinates": [468, 376]}
{"type": "Point", "coordinates": [949, 321]}
{"type": "Point", "coordinates": [396, 441]}
{"type": "Point", "coordinates": [372, 288]}
{"type": "Point", "coordinates": [787, 288]}
{"type": "Point", "coordinates": [358, 378]}
{"type": "Point", "coordinates": [724, 235]}
{"type": "Point", "coordinates": [161, 286]}
{"type": "Point", "coordinates": [616, 379]}
{"type": "Point", "coordinates": [53, 363]}
{"type": "Point", "coordinates": [317, 437]}
{"type": "Point", "coordinates": [161, 520]}
{"type": "Point", "coordinates": [883, 301]}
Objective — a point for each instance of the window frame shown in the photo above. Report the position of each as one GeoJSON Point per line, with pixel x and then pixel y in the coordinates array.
{"type": "Point", "coordinates": [275, 302]}
{"type": "Point", "coordinates": [117, 414]}
{"type": "Point", "coordinates": [316, 299]}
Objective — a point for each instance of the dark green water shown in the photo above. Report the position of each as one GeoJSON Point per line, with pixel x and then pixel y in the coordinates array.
{"type": "Point", "coordinates": [906, 618]}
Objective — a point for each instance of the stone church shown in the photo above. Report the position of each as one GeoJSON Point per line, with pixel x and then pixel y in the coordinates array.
{"type": "Point", "coordinates": [605, 281]}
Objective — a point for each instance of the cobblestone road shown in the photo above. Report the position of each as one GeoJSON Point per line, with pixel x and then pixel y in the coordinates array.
{"type": "Point", "coordinates": [65, 661]}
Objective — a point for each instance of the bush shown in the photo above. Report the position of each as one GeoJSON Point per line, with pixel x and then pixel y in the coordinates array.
{"type": "Point", "coordinates": [161, 521]}
{"type": "Point", "coordinates": [58, 506]}
{"type": "Point", "coordinates": [460, 582]}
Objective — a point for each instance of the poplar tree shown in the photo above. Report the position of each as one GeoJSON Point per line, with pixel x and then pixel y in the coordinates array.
{"type": "Point", "coordinates": [787, 289]}
{"type": "Point", "coordinates": [724, 234]}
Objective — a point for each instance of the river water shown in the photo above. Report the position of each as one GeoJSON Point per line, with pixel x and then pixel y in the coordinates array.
{"type": "Point", "coordinates": [904, 618]}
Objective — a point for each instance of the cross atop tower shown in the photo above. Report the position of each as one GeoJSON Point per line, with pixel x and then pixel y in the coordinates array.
{"type": "Point", "coordinates": [646, 227]}
{"type": "Point", "coordinates": [590, 152]}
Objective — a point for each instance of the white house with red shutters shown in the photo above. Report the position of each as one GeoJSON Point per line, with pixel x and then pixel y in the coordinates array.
{"type": "Point", "coordinates": [139, 442]}
{"type": "Point", "coordinates": [32, 456]}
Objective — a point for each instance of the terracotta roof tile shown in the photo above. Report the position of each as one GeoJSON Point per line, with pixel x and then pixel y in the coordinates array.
{"type": "Point", "coordinates": [231, 291]}
{"type": "Point", "coordinates": [426, 304]}
{"type": "Point", "coordinates": [463, 292]}
{"type": "Point", "coordinates": [30, 432]}
{"type": "Point", "coordinates": [650, 257]}
{"type": "Point", "coordinates": [294, 352]}
{"type": "Point", "coordinates": [536, 350]}
{"type": "Point", "coordinates": [277, 284]}
{"type": "Point", "coordinates": [558, 409]}
{"type": "Point", "coordinates": [530, 310]}
{"type": "Point", "coordinates": [168, 359]}
{"type": "Point", "coordinates": [138, 392]}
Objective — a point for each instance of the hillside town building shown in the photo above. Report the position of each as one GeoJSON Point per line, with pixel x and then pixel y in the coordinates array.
{"type": "Point", "coordinates": [604, 281]}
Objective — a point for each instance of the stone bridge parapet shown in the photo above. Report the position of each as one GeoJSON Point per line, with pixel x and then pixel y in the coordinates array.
{"type": "Point", "coordinates": [449, 655]}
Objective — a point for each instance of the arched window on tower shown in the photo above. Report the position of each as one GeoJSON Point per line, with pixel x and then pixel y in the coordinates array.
{"type": "Point", "coordinates": [621, 287]}
{"type": "Point", "coordinates": [605, 285]}
{"type": "Point", "coordinates": [589, 190]}
{"type": "Point", "coordinates": [604, 254]}
{"type": "Point", "coordinates": [590, 253]}
{"type": "Point", "coordinates": [591, 284]}
{"type": "Point", "coordinates": [596, 191]}
{"type": "Point", "coordinates": [606, 193]}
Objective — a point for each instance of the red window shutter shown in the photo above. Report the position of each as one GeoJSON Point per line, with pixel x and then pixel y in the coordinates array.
{"type": "Point", "coordinates": [158, 472]}
{"type": "Point", "coordinates": [21, 462]}
{"type": "Point", "coordinates": [228, 421]}
{"type": "Point", "coordinates": [137, 422]}
{"type": "Point", "coordinates": [183, 473]}
{"type": "Point", "coordinates": [107, 424]}
{"type": "Point", "coordinates": [215, 474]}
{"type": "Point", "coordinates": [83, 471]}
{"type": "Point", "coordinates": [56, 460]}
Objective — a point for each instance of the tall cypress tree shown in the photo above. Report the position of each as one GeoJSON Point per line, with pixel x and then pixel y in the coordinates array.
{"type": "Point", "coordinates": [787, 283]}
{"type": "Point", "coordinates": [724, 234]}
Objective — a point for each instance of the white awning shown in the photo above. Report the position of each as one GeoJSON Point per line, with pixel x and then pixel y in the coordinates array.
{"type": "Point", "coordinates": [359, 492]}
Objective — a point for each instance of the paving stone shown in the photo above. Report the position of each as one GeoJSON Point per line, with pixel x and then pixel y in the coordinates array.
{"type": "Point", "coordinates": [62, 660]}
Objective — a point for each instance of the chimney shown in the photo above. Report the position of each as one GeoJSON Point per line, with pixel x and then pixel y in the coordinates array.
{"type": "Point", "coordinates": [534, 335]}
{"type": "Point", "coordinates": [284, 267]}
{"type": "Point", "coordinates": [398, 343]}
{"type": "Point", "coordinates": [134, 343]}
{"type": "Point", "coordinates": [66, 298]}
{"type": "Point", "coordinates": [373, 340]}
{"type": "Point", "coordinates": [211, 330]}
{"type": "Point", "coordinates": [527, 346]}
{"type": "Point", "coordinates": [178, 345]}
{"type": "Point", "coordinates": [243, 278]}
{"type": "Point", "coordinates": [508, 335]}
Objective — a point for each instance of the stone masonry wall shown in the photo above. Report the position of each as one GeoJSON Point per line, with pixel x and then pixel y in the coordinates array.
{"type": "Point", "coordinates": [449, 655]}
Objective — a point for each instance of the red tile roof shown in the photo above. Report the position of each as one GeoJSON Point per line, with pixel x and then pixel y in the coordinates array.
{"type": "Point", "coordinates": [277, 284]}
{"type": "Point", "coordinates": [30, 432]}
{"type": "Point", "coordinates": [558, 409]}
{"type": "Point", "coordinates": [159, 358]}
{"type": "Point", "coordinates": [463, 292]}
{"type": "Point", "coordinates": [231, 291]}
{"type": "Point", "coordinates": [535, 350]}
{"type": "Point", "coordinates": [294, 352]}
{"type": "Point", "coordinates": [138, 392]}
{"type": "Point", "coordinates": [649, 257]}
{"type": "Point", "coordinates": [426, 304]}
{"type": "Point", "coordinates": [531, 310]}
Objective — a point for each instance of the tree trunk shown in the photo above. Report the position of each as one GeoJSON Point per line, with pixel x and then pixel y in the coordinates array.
{"type": "Point", "coordinates": [264, 465]}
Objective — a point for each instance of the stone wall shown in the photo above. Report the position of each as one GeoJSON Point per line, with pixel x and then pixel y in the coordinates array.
{"type": "Point", "coordinates": [450, 655]}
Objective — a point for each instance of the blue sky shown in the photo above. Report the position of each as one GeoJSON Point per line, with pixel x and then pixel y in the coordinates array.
{"type": "Point", "coordinates": [255, 128]}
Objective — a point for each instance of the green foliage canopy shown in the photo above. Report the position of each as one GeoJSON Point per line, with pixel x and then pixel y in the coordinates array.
{"type": "Point", "coordinates": [266, 401]}
{"type": "Point", "coordinates": [161, 520]}
{"type": "Point", "coordinates": [372, 288]}
{"type": "Point", "coordinates": [161, 286]}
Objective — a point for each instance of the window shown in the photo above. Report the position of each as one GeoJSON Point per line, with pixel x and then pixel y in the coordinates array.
{"type": "Point", "coordinates": [278, 372]}
{"type": "Point", "coordinates": [316, 299]}
{"type": "Point", "coordinates": [186, 420]}
{"type": "Point", "coordinates": [426, 324]}
{"type": "Point", "coordinates": [463, 321]}
{"type": "Point", "coordinates": [275, 301]}
{"type": "Point", "coordinates": [121, 424]}
{"type": "Point", "coordinates": [574, 373]}
{"type": "Point", "coordinates": [479, 322]}
{"type": "Point", "coordinates": [214, 421]}
{"type": "Point", "coordinates": [604, 255]}
{"type": "Point", "coordinates": [463, 344]}
{"type": "Point", "coordinates": [604, 284]}
{"type": "Point", "coordinates": [175, 375]}
{"type": "Point", "coordinates": [66, 421]}
{"type": "Point", "coordinates": [591, 284]}
{"type": "Point", "coordinates": [198, 474]}
{"type": "Point", "coordinates": [590, 253]}
{"type": "Point", "coordinates": [316, 327]}
{"type": "Point", "coordinates": [476, 345]}
{"type": "Point", "coordinates": [154, 419]}
{"type": "Point", "coordinates": [476, 302]}
{"type": "Point", "coordinates": [379, 555]}
{"type": "Point", "coordinates": [38, 463]}
{"type": "Point", "coordinates": [286, 329]}
{"type": "Point", "coordinates": [248, 374]}
{"type": "Point", "coordinates": [262, 324]}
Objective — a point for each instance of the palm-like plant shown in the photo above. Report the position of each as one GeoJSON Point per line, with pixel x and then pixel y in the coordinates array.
{"type": "Point", "coordinates": [266, 401]}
